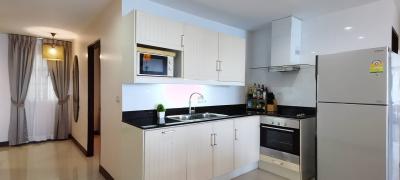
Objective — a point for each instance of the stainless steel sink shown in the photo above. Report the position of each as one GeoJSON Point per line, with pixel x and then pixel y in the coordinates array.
{"type": "Point", "coordinates": [196, 117]}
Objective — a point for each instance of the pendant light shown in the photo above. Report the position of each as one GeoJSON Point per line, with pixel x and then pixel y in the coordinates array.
{"type": "Point", "coordinates": [52, 52]}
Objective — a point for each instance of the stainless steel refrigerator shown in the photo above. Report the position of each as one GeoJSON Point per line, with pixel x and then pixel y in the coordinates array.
{"type": "Point", "coordinates": [358, 98]}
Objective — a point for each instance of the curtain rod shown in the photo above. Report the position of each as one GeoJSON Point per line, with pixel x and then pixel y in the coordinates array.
{"type": "Point", "coordinates": [41, 38]}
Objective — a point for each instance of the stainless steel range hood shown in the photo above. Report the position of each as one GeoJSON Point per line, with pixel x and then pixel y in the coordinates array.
{"type": "Point", "coordinates": [287, 68]}
{"type": "Point", "coordinates": [285, 45]}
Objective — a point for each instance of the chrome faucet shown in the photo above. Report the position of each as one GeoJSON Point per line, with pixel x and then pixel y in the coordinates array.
{"type": "Point", "coordinates": [190, 102]}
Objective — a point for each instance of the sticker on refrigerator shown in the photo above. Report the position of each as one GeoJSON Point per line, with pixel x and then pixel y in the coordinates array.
{"type": "Point", "coordinates": [376, 66]}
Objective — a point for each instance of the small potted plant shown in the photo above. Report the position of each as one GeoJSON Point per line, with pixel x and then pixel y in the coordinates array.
{"type": "Point", "coordinates": [161, 113]}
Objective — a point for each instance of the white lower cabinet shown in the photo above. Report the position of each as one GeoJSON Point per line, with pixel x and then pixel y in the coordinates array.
{"type": "Point", "coordinates": [165, 154]}
{"type": "Point", "coordinates": [210, 150]}
{"type": "Point", "coordinates": [247, 140]}
{"type": "Point", "coordinates": [223, 147]}
{"type": "Point", "coordinates": [201, 151]}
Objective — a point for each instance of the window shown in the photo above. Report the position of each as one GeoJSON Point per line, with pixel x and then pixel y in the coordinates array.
{"type": "Point", "coordinates": [41, 100]}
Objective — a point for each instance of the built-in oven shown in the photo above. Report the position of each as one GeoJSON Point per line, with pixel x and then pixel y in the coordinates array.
{"type": "Point", "coordinates": [152, 62]}
{"type": "Point", "coordinates": [288, 146]}
{"type": "Point", "coordinates": [280, 138]}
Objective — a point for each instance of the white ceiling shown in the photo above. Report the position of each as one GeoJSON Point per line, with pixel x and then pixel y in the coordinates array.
{"type": "Point", "coordinates": [40, 17]}
{"type": "Point", "coordinates": [250, 14]}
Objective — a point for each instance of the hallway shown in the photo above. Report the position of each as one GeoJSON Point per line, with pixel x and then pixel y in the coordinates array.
{"type": "Point", "coordinates": [49, 161]}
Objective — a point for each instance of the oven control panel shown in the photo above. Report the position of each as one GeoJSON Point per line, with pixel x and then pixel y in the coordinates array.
{"type": "Point", "coordinates": [279, 121]}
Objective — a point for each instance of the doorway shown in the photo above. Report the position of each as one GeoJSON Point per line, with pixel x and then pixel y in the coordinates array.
{"type": "Point", "coordinates": [94, 98]}
{"type": "Point", "coordinates": [395, 41]}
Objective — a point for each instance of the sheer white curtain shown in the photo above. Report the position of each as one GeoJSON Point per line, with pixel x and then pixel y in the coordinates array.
{"type": "Point", "coordinates": [41, 101]}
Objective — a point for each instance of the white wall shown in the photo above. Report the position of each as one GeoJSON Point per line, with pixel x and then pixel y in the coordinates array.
{"type": "Point", "coordinates": [326, 34]}
{"type": "Point", "coordinates": [79, 128]}
{"type": "Point", "coordinates": [259, 47]}
{"type": "Point", "coordinates": [146, 97]}
{"type": "Point", "coordinates": [323, 35]}
{"type": "Point", "coordinates": [290, 88]}
{"type": "Point", "coordinates": [107, 29]}
{"type": "Point", "coordinates": [5, 89]}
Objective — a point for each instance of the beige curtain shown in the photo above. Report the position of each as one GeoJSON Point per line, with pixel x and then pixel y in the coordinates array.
{"type": "Point", "coordinates": [60, 77]}
{"type": "Point", "coordinates": [21, 51]}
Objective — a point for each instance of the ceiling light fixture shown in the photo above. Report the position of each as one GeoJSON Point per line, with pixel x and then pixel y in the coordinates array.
{"type": "Point", "coordinates": [348, 28]}
{"type": "Point", "coordinates": [52, 52]}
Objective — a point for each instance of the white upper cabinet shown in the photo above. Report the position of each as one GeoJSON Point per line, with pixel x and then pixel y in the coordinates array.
{"type": "Point", "coordinates": [247, 140]}
{"type": "Point", "coordinates": [203, 56]}
{"type": "Point", "coordinates": [200, 53]}
{"type": "Point", "coordinates": [158, 31]}
{"type": "Point", "coordinates": [232, 58]}
{"type": "Point", "coordinates": [165, 154]}
{"type": "Point", "coordinates": [286, 42]}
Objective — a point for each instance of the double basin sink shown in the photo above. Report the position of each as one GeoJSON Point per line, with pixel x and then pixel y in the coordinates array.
{"type": "Point", "coordinates": [177, 119]}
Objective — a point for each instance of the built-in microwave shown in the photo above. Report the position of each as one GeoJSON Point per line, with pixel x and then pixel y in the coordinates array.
{"type": "Point", "coordinates": [152, 62]}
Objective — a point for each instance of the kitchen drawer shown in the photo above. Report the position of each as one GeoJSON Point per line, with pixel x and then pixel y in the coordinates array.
{"type": "Point", "coordinates": [278, 162]}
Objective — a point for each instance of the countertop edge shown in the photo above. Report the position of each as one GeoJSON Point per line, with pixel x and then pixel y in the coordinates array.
{"type": "Point", "coordinates": [158, 126]}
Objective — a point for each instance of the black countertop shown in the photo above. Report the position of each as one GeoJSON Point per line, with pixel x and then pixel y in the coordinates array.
{"type": "Point", "coordinates": [152, 123]}
{"type": "Point", "coordinates": [147, 119]}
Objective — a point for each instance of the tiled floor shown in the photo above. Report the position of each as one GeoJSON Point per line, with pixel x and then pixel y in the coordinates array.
{"type": "Point", "coordinates": [62, 160]}
{"type": "Point", "coordinates": [57, 160]}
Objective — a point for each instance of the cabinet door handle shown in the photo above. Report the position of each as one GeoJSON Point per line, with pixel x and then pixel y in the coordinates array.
{"type": "Point", "coordinates": [215, 139]}
{"type": "Point", "coordinates": [236, 138]}
{"type": "Point", "coordinates": [167, 132]}
{"type": "Point", "coordinates": [278, 129]}
{"type": "Point", "coordinates": [217, 65]}
{"type": "Point", "coordinates": [220, 65]}
{"type": "Point", "coordinates": [182, 40]}
{"type": "Point", "coordinates": [212, 140]}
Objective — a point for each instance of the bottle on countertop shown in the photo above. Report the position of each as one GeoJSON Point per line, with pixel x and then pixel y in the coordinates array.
{"type": "Point", "coordinates": [249, 97]}
{"type": "Point", "coordinates": [254, 91]}
{"type": "Point", "coordinates": [264, 93]}
{"type": "Point", "coordinates": [249, 92]}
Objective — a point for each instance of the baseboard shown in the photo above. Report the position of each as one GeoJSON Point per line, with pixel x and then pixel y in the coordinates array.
{"type": "Point", "coordinates": [105, 174]}
{"type": "Point", "coordinates": [7, 144]}
{"type": "Point", "coordinates": [79, 145]}
{"type": "Point", "coordinates": [4, 144]}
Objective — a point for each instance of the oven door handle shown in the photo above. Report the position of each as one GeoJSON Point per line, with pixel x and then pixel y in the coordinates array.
{"type": "Point", "coordinates": [279, 129]}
